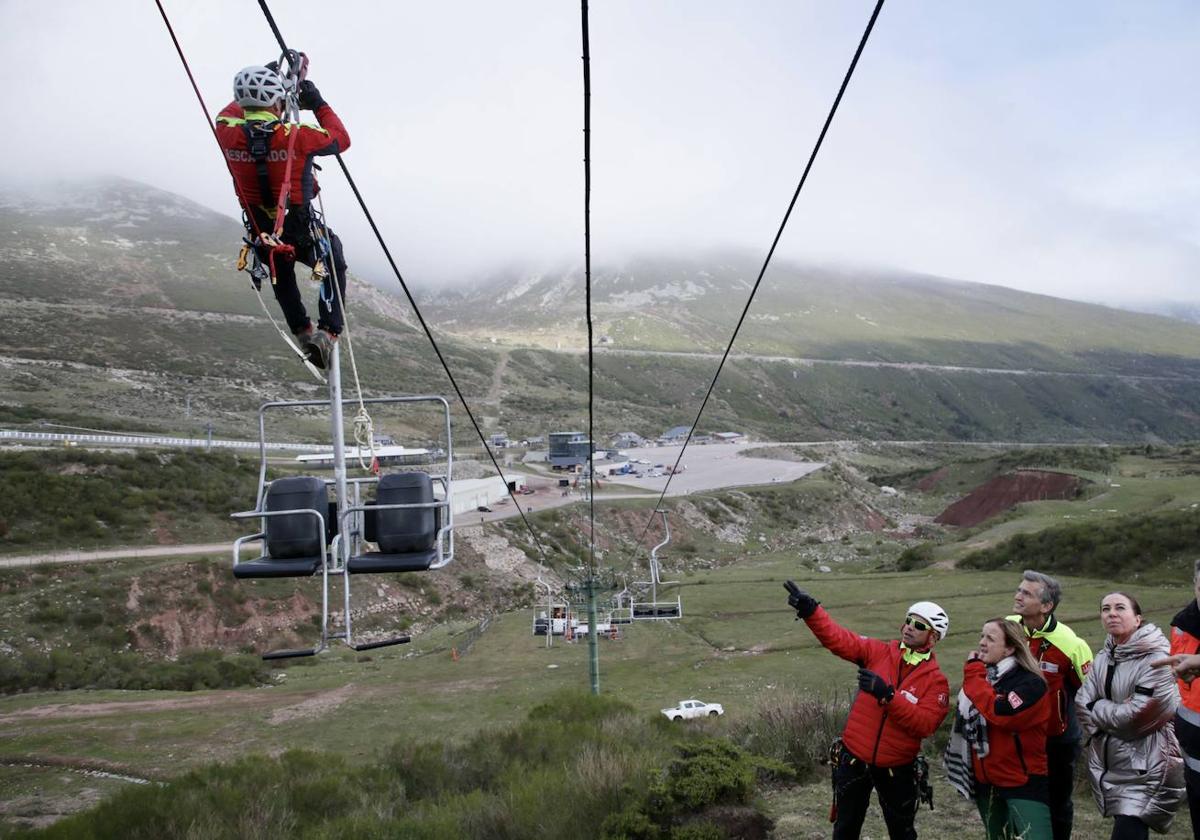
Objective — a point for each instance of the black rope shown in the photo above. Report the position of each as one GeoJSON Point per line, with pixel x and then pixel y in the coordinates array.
{"type": "Point", "coordinates": [778, 235]}
{"type": "Point", "coordinates": [208, 120]}
{"type": "Point", "coordinates": [587, 275]}
{"type": "Point", "coordinates": [416, 309]}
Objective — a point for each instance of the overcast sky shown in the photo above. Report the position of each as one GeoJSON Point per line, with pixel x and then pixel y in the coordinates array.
{"type": "Point", "coordinates": [1048, 146]}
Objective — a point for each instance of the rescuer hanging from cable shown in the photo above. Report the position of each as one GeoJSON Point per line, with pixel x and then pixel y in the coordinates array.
{"type": "Point", "coordinates": [271, 160]}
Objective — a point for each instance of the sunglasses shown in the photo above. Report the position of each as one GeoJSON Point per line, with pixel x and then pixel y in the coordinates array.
{"type": "Point", "coordinates": [917, 624]}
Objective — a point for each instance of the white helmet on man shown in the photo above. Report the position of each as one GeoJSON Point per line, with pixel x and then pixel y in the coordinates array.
{"type": "Point", "coordinates": [932, 613]}
{"type": "Point", "coordinates": [258, 87]}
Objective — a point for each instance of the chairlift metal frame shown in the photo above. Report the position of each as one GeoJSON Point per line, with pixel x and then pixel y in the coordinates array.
{"type": "Point", "coordinates": [654, 609]}
{"type": "Point", "coordinates": [548, 628]}
{"type": "Point", "coordinates": [336, 553]}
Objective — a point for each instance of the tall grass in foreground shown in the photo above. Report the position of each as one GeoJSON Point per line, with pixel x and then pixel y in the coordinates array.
{"type": "Point", "coordinates": [793, 729]}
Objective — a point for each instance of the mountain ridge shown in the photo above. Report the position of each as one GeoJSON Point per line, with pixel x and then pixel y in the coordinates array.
{"type": "Point", "coordinates": [122, 314]}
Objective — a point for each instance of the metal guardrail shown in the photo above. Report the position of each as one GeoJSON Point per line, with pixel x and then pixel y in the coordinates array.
{"type": "Point", "coordinates": [150, 440]}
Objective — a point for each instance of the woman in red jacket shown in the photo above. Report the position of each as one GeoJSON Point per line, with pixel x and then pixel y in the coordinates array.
{"type": "Point", "coordinates": [1004, 709]}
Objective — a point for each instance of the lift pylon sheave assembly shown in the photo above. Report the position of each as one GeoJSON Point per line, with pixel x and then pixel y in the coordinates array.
{"type": "Point", "coordinates": [304, 533]}
{"type": "Point", "coordinates": [655, 609]}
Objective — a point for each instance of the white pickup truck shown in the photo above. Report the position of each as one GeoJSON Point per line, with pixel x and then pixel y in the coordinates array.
{"type": "Point", "coordinates": [688, 709]}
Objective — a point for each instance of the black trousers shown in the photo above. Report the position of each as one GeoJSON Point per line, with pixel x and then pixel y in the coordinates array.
{"type": "Point", "coordinates": [897, 790]}
{"type": "Point", "coordinates": [1129, 828]}
{"type": "Point", "coordinates": [287, 292]}
{"type": "Point", "coordinates": [1192, 779]}
{"type": "Point", "coordinates": [1060, 758]}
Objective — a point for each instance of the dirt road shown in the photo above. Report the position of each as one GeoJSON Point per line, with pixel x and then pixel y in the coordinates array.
{"type": "Point", "coordinates": [76, 556]}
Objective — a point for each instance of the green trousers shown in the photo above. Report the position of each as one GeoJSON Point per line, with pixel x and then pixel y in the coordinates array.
{"type": "Point", "coordinates": [1014, 819]}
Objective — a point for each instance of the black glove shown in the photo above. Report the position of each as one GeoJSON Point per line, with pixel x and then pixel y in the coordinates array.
{"type": "Point", "coordinates": [799, 600]}
{"type": "Point", "coordinates": [310, 98]}
{"type": "Point", "coordinates": [875, 685]}
{"type": "Point", "coordinates": [273, 66]}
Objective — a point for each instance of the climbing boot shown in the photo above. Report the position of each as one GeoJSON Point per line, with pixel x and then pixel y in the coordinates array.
{"type": "Point", "coordinates": [320, 348]}
{"type": "Point", "coordinates": [312, 353]}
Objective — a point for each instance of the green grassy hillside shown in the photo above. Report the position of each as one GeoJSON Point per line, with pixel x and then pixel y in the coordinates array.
{"type": "Point", "coordinates": [474, 670]}
{"type": "Point", "coordinates": [737, 645]}
{"type": "Point", "coordinates": [123, 310]}
{"type": "Point", "coordinates": [123, 305]}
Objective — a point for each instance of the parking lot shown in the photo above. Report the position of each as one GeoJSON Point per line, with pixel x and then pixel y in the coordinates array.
{"type": "Point", "coordinates": [711, 466]}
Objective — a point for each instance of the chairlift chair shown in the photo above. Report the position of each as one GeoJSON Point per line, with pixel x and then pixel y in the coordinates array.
{"type": "Point", "coordinates": [622, 612]}
{"type": "Point", "coordinates": [304, 533]}
{"type": "Point", "coordinates": [655, 609]}
{"type": "Point", "coordinates": [543, 623]}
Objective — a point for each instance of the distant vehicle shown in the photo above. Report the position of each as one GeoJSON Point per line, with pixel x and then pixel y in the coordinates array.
{"type": "Point", "coordinates": [688, 709]}
{"type": "Point", "coordinates": [484, 509]}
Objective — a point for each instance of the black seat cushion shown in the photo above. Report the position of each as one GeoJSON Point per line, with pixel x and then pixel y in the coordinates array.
{"type": "Point", "coordinates": [297, 535]}
{"type": "Point", "coordinates": [270, 567]}
{"type": "Point", "coordinates": [376, 562]}
{"type": "Point", "coordinates": [410, 530]}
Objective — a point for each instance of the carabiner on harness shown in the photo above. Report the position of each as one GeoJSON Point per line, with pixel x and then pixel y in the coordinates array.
{"type": "Point", "coordinates": [321, 250]}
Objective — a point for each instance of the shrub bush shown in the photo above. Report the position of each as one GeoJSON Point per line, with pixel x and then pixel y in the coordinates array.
{"type": "Point", "coordinates": [97, 667]}
{"type": "Point", "coordinates": [576, 761]}
{"type": "Point", "coordinates": [915, 557]}
{"type": "Point", "coordinates": [1157, 545]}
{"type": "Point", "coordinates": [708, 773]}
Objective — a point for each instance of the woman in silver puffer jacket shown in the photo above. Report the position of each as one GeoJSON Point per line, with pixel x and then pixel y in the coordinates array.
{"type": "Point", "coordinates": [1125, 707]}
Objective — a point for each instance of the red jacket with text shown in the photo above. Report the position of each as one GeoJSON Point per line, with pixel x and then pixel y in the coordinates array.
{"type": "Point", "coordinates": [887, 735]}
{"type": "Point", "coordinates": [329, 138]}
{"type": "Point", "coordinates": [1017, 711]}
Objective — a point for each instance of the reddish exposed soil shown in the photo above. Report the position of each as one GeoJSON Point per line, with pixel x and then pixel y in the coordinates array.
{"type": "Point", "coordinates": [1007, 491]}
{"type": "Point", "coordinates": [932, 480]}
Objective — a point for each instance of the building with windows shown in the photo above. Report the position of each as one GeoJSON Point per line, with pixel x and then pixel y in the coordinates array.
{"type": "Point", "coordinates": [678, 434]}
{"type": "Point", "coordinates": [568, 449]}
{"type": "Point", "coordinates": [628, 440]}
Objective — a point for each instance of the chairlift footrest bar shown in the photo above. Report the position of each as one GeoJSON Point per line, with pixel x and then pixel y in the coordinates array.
{"type": "Point", "coordinates": [398, 640]}
{"type": "Point", "coordinates": [289, 654]}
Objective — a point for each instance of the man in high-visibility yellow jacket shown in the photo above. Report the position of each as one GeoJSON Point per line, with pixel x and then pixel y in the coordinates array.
{"type": "Point", "coordinates": [1065, 660]}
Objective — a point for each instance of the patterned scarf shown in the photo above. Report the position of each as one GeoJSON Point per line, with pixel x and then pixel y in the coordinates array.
{"type": "Point", "coordinates": [970, 732]}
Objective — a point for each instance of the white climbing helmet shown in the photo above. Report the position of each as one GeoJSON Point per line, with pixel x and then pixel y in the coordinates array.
{"type": "Point", "coordinates": [258, 87]}
{"type": "Point", "coordinates": [932, 613]}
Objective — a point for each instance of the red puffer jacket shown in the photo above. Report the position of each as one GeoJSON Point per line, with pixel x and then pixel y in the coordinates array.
{"type": "Point", "coordinates": [327, 139]}
{"type": "Point", "coordinates": [886, 735]}
{"type": "Point", "coordinates": [1017, 710]}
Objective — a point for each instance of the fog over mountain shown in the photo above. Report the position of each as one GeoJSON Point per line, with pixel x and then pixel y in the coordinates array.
{"type": "Point", "coordinates": [1042, 146]}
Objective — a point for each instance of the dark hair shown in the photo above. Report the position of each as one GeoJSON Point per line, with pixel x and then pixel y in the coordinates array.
{"type": "Point", "coordinates": [1051, 589]}
{"type": "Point", "coordinates": [1014, 637]}
{"type": "Point", "coordinates": [1133, 602]}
